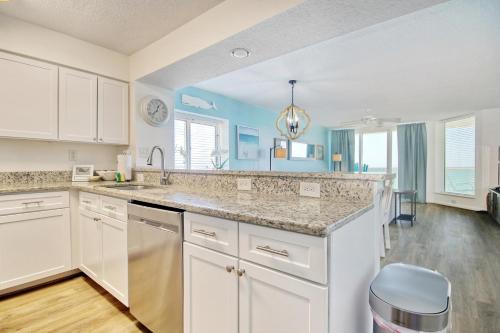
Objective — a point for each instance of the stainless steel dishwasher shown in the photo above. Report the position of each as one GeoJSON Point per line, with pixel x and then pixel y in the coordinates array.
{"type": "Point", "coordinates": [155, 266]}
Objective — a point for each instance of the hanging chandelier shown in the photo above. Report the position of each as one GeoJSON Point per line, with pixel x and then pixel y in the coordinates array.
{"type": "Point", "coordinates": [293, 121]}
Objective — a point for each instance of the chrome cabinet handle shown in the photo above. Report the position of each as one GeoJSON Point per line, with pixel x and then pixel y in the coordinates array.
{"type": "Point", "coordinates": [204, 232]}
{"type": "Point", "coordinates": [240, 272]}
{"type": "Point", "coordinates": [97, 219]}
{"type": "Point", "coordinates": [267, 248]}
{"type": "Point", "coordinates": [32, 203]}
{"type": "Point", "coordinates": [110, 207]}
{"type": "Point", "coordinates": [86, 202]}
{"type": "Point", "coordinates": [229, 269]}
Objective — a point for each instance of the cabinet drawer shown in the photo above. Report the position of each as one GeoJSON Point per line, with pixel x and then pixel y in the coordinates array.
{"type": "Point", "coordinates": [32, 202]}
{"type": "Point", "coordinates": [112, 207]}
{"type": "Point", "coordinates": [301, 255]}
{"type": "Point", "coordinates": [212, 232]}
{"type": "Point", "coordinates": [89, 201]}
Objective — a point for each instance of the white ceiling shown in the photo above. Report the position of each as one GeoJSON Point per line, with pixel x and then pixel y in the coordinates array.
{"type": "Point", "coordinates": [308, 23]}
{"type": "Point", "coordinates": [435, 63]}
{"type": "Point", "coordinates": [121, 25]}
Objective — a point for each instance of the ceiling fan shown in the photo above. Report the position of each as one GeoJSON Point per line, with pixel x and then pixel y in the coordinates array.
{"type": "Point", "coordinates": [370, 121]}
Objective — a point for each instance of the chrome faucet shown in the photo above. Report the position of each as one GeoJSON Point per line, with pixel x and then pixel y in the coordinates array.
{"type": "Point", "coordinates": [164, 179]}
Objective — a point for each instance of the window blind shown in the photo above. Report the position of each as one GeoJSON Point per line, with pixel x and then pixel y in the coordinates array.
{"type": "Point", "coordinates": [460, 156]}
{"type": "Point", "coordinates": [180, 144]}
{"type": "Point", "coordinates": [202, 138]}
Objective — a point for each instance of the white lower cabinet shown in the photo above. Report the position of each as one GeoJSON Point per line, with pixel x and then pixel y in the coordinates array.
{"type": "Point", "coordinates": [90, 241]}
{"type": "Point", "coordinates": [210, 291]}
{"type": "Point", "coordinates": [103, 250]}
{"type": "Point", "coordinates": [34, 245]}
{"type": "Point", "coordinates": [114, 258]}
{"type": "Point", "coordinates": [274, 302]}
{"type": "Point", "coordinates": [223, 294]}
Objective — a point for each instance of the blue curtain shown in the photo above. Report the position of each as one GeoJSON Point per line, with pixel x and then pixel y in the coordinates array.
{"type": "Point", "coordinates": [343, 143]}
{"type": "Point", "coordinates": [412, 159]}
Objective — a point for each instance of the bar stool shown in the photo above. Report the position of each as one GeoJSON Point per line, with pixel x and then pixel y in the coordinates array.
{"type": "Point", "coordinates": [412, 216]}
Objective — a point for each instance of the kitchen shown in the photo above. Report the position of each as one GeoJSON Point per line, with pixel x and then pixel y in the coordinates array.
{"type": "Point", "coordinates": [145, 187]}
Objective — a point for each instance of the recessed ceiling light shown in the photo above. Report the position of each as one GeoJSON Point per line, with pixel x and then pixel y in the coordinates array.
{"type": "Point", "coordinates": [240, 52]}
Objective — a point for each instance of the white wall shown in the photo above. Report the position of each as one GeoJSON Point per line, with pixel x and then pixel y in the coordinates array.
{"type": "Point", "coordinates": [144, 136]}
{"type": "Point", "coordinates": [487, 144]}
{"type": "Point", "coordinates": [34, 41]}
{"type": "Point", "coordinates": [31, 155]}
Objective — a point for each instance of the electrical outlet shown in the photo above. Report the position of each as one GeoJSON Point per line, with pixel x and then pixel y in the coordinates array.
{"type": "Point", "coordinates": [72, 155]}
{"type": "Point", "coordinates": [244, 184]}
{"type": "Point", "coordinates": [310, 189]}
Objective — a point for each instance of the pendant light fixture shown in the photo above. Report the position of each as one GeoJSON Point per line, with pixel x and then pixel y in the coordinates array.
{"type": "Point", "coordinates": [293, 121]}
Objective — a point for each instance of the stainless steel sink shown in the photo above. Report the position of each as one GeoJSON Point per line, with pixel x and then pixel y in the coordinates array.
{"type": "Point", "coordinates": [130, 187]}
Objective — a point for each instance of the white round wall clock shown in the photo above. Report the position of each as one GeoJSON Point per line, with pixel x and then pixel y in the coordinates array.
{"type": "Point", "coordinates": [154, 111]}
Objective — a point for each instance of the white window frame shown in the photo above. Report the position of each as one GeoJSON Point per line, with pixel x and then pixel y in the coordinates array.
{"type": "Point", "coordinates": [221, 132]}
{"type": "Point", "coordinates": [443, 168]}
{"type": "Point", "coordinates": [388, 131]}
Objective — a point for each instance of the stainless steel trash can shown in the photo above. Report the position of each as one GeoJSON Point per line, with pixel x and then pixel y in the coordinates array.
{"type": "Point", "coordinates": [407, 298]}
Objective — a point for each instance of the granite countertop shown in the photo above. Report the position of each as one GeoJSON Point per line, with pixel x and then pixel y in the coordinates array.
{"type": "Point", "coordinates": [310, 216]}
{"type": "Point", "coordinates": [244, 173]}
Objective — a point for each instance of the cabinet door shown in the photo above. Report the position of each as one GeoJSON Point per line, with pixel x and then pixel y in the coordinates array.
{"type": "Point", "coordinates": [273, 302]}
{"type": "Point", "coordinates": [28, 106]}
{"type": "Point", "coordinates": [210, 291]}
{"type": "Point", "coordinates": [112, 111]}
{"type": "Point", "coordinates": [77, 105]}
{"type": "Point", "coordinates": [34, 246]}
{"type": "Point", "coordinates": [114, 258]}
{"type": "Point", "coordinates": [90, 244]}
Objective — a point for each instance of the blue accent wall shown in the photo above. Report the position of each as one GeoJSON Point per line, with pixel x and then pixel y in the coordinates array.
{"type": "Point", "coordinates": [239, 113]}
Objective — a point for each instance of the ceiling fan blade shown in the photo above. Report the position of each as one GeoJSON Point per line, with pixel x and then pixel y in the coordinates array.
{"type": "Point", "coordinates": [390, 120]}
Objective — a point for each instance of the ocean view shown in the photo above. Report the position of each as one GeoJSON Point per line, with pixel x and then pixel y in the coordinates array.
{"type": "Point", "coordinates": [460, 180]}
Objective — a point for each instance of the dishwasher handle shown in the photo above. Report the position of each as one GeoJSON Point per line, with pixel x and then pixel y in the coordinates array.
{"type": "Point", "coordinates": [154, 224]}
{"type": "Point", "coordinates": [158, 225]}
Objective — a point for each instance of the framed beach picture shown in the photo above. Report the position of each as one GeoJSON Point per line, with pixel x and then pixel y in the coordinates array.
{"type": "Point", "coordinates": [280, 148]}
{"type": "Point", "coordinates": [248, 143]}
{"type": "Point", "coordinates": [320, 152]}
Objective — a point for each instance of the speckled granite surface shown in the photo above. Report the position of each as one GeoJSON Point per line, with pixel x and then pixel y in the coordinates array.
{"type": "Point", "coordinates": [310, 216]}
{"type": "Point", "coordinates": [279, 183]}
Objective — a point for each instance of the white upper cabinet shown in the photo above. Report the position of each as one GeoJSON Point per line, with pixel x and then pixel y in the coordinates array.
{"type": "Point", "coordinates": [112, 111]}
{"type": "Point", "coordinates": [28, 102]}
{"type": "Point", "coordinates": [77, 105]}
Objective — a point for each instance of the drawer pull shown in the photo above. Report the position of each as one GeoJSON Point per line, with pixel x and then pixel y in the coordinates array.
{"type": "Point", "coordinates": [32, 203]}
{"type": "Point", "coordinates": [110, 207]}
{"type": "Point", "coordinates": [229, 269]}
{"type": "Point", "coordinates": [267, 248]}
{"type": "Point", "coordinates": [86, 202]}
{"type": "Point", "coordinates": [97, 219]}
{"type": "Point", "coordinates": [204, 232]}
{"type": "Point", "coordinates": [240, 272]}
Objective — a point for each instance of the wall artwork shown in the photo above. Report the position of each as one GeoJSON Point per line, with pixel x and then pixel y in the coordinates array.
{"type": "Point", "coordinates": [320, 152]}
{"type": "Point", "coordinates": [248, 143]}
{"type": "Point", "coordinates": [280, 148]}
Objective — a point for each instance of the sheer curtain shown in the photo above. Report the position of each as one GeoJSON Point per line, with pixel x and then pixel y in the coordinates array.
{"type": "Point", "coordinates": [343, 143]}
{"type": "Point", "coordinates": [412, 159]}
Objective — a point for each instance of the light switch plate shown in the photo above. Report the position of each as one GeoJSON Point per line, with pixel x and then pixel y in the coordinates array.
{"type": "Point", "coordinates": [72, 155]}
{"type": "Point", "coordinates": [244, 184]}
{"type": "Point", "coordinates": [310, 189]}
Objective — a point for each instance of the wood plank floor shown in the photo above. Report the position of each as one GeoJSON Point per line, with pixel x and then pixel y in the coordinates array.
{"type": "Point", "coordinates": [73, 305]}
{"type": "Point", "coordinates": [465, 247]}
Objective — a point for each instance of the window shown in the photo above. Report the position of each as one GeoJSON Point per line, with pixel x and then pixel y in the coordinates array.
{"type": "Point", "coordinates": [356, 152]}
{"type": "Point", "coordinates": [374, 154]}
{"type": "Point", "coordinates": [394, 157]}
{"type": "Point", "coordinates": [197, 140]}
{"type": "Point", "coordinates": [460, 156]}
